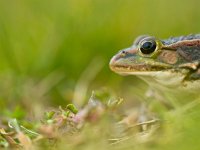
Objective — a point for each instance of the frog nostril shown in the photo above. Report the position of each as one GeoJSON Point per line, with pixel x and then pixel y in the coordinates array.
{"type": "Point", "coordinates": [123, 53]}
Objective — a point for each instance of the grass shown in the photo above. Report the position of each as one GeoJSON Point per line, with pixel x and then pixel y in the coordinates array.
{"type": "Point", "coordinates": [56, 53]}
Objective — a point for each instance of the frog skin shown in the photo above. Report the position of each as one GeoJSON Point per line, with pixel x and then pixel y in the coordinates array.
{"type": "Point", "coordinates": [167, 65]}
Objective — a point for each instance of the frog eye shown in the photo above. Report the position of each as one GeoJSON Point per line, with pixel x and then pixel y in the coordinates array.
{"type": "Point", "coordinates": [147, 47]}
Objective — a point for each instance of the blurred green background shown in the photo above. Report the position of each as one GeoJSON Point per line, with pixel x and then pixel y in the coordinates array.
{"type": "Point", "coordinates": [50, 49]}
{"type": "Point", "coordinates": [47, 47]}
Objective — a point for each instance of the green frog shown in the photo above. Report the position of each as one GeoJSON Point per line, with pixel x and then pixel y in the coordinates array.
{"type": "Point", "coordinates": [171, 65]}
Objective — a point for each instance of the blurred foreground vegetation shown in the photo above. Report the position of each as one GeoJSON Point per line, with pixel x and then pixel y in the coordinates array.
{"type": "Point", "coordinates": [54, 53]}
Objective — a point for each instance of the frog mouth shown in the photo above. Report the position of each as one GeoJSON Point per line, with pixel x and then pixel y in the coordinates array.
{"type": "Point", "coordinates": [137, 67]}
{"type": "Point", "coordinates": [138, 70]}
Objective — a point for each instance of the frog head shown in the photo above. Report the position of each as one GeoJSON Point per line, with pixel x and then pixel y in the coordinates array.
{"type": "Point", "coordinates": [171, 59]}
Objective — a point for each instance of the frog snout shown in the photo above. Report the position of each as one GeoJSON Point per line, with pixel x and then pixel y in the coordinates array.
{"type": "Point", "coordinates": [116, 60]}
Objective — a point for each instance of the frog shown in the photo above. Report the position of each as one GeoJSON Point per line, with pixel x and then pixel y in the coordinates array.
{"type": "Point", "coordinates": [167, 65]}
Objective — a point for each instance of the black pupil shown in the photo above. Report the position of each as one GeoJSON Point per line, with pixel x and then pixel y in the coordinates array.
{"type": "Point", "coordinates": [148, 47]}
